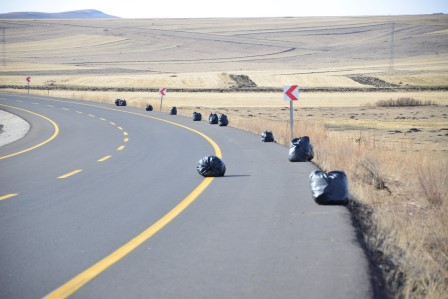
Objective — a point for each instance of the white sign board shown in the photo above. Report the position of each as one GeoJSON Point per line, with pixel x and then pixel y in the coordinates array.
{"type": "Point", "coordinates": [291, 93]}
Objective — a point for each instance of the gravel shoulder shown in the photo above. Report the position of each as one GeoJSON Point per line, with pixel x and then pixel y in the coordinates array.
{"type": "Point", "coordinates": [12, 128]}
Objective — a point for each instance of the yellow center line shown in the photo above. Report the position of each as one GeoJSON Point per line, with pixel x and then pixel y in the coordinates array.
{"type": "Point", "coordinates": [120, 128]}
{"type": "Point", "coordinates": [112, 123]}
{"type": "Point", "coordinates": [125, 133]}
{"type": "Point", "coordinates": [69, 174]}
{"type": "Point", "coordinates": [91, 115]}
{"type": "Point", "coordinates": [121, 147]}
{"type": "Point", "coordinates": [218, 152]}
{"type": "Point", "coordinates": [80, 112]}
{"type": "Point", "coordinates": [66, 109]}
{"type": "Point", "coordinates": [126, 140]}
{"type": "Point", "coordinates": [55, 133]}
{"type": "Point", "coordinates": [81, 279]}
{"type": "Point", "coordinates": [104, 158]}
{"type": "Point", "coordinates": [7, 196]}
{"type": "Point", "coordinates": [103, 119]}
{"type": "Point", "coordinates": [51, 106]}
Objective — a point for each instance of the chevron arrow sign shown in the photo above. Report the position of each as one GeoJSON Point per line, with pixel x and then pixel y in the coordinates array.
{"type": "Point", "coordinates": [291, 93]}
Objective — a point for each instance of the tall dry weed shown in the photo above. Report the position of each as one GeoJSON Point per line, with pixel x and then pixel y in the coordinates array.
{"type": "Point", "coordinates": [403, 102]}
{"type": "Point", "coordinates": [433, 183]}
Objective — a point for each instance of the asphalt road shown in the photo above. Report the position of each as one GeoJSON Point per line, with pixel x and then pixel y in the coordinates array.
{"type": "Point", "coordinates": [92, 211]}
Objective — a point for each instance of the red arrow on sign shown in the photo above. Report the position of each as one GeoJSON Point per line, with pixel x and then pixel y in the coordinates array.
{"type": "Point", "coordinates": [162, 91]}
{"type": "Point", "coordinates": [28, 79]}
{"type": "Point", "coordinates": [291, 93]}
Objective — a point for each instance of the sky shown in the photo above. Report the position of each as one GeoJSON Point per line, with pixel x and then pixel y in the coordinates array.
{"type": "Point", "coordinates": [231, 8]}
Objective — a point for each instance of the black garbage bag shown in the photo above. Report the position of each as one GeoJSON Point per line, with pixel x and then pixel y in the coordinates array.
{"type": "Point", "coordinates": [267, 136]}
{"type": "Point", "coordinates": [149, 107]}
{"type": "Point", "coordinates": [197, 116]}
{"type": "Point", "coordinates": [301, 150]}
{"type": "Point", "coordinates": [211, 166]}
{"type": "Point", "coordinates": [173, 111]}
{"type": "Point", "coordinates": [329, 188]}
{"type": "Point", "coordinates": [223, 120]}
{"type": "Point", "coordinates": [213, 118]}
{"type": "Point", "coordinates": [120, 102]}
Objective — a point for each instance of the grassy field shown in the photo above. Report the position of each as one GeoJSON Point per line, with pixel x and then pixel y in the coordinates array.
{"type": "Point", "coordinates": [395, 157]}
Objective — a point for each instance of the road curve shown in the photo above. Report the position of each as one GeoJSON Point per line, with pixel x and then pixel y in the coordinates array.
{"type": "Point", "coordinates": [113, 172]}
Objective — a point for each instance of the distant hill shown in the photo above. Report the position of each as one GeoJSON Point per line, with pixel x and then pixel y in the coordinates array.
{"type": "Point", "coordinates": [76, 14]}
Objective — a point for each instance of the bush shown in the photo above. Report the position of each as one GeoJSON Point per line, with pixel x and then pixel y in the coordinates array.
{"type": "Point", "coordinates": [403, 102]}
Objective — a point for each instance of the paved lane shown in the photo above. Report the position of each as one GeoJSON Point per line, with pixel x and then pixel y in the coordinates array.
{"type": "Point", "coordinates": [255, 233]}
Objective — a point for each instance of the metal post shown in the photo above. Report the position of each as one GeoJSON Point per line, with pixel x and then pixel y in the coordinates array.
{"type": "Point", "coordinates": [28, 87]}
{"type": "Point", "coordinates": [161, 99]}
{"type": "Point", "coordinates": [291, 117]}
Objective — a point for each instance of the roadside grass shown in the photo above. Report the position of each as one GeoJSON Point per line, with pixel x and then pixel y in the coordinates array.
{"type": "Point", "coordinates": [403, 102]}
{"type": "Point", "coordinates": [216, 100]}
{"type": "Point", "coordinates": [400, 198]}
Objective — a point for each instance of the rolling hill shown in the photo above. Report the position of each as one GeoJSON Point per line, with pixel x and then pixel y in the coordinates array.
{"type": "Point", "coordinates": [76, 14]}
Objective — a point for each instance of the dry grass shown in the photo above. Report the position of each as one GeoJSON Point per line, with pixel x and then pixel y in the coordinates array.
{"type": "Point", "coordinates": [54, 46]}
{"type": "Point", "coordinates": [246, 99]}
{"type": "Point", "coordinates": [417, 79]}
{"type": "Point", "coordinates": [403, 102]}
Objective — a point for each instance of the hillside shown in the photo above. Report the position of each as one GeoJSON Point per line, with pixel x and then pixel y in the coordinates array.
{"type": "Point", "coordinates": [77, 14]}
{"type": "Point", "coordinates": [316, 45]}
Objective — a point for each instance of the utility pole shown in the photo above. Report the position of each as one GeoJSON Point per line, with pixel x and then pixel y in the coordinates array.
{"type": "Point", "coordinates": [4, 46]}
{"type": "Point", "coordinates": [392, 54]}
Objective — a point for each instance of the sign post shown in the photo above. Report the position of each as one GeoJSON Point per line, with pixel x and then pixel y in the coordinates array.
{"type": "Point", "coordinates": [28, 80]}
{"type": "Point", "coordinates": [162, 92]}
{"type": "Point", "coordinates": [291, 94]}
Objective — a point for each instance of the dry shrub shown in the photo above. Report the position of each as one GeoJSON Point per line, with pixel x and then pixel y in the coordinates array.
{"type": "Point", "coordinates": [370, 173]}
{"type": "Point", "coordinates": [403, 102]}
{"type": "Point", "coordinates": [434, 184]}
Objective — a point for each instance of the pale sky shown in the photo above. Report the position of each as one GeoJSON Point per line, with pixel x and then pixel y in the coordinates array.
{"type": "Point", "coordinates": [231, 8]}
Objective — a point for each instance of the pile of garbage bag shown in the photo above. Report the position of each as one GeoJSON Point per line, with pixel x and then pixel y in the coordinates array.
{"type": "Point", "coordinates": [120, 102]}
{"type": "Point", "coordinates": [301, 150]}
{"type": "Point", "coordinates": [197, 116]}
{"type": "Point", "coordinates": [211, 166]}
{"type": "Point", "coordinates": [267, 136]}
{"type": "Point", "coordinates": [329, 188]}
{"type": "Point", "coordinates": [213, 118]}
{"type": "Point", "coordinates": [223, 120]}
